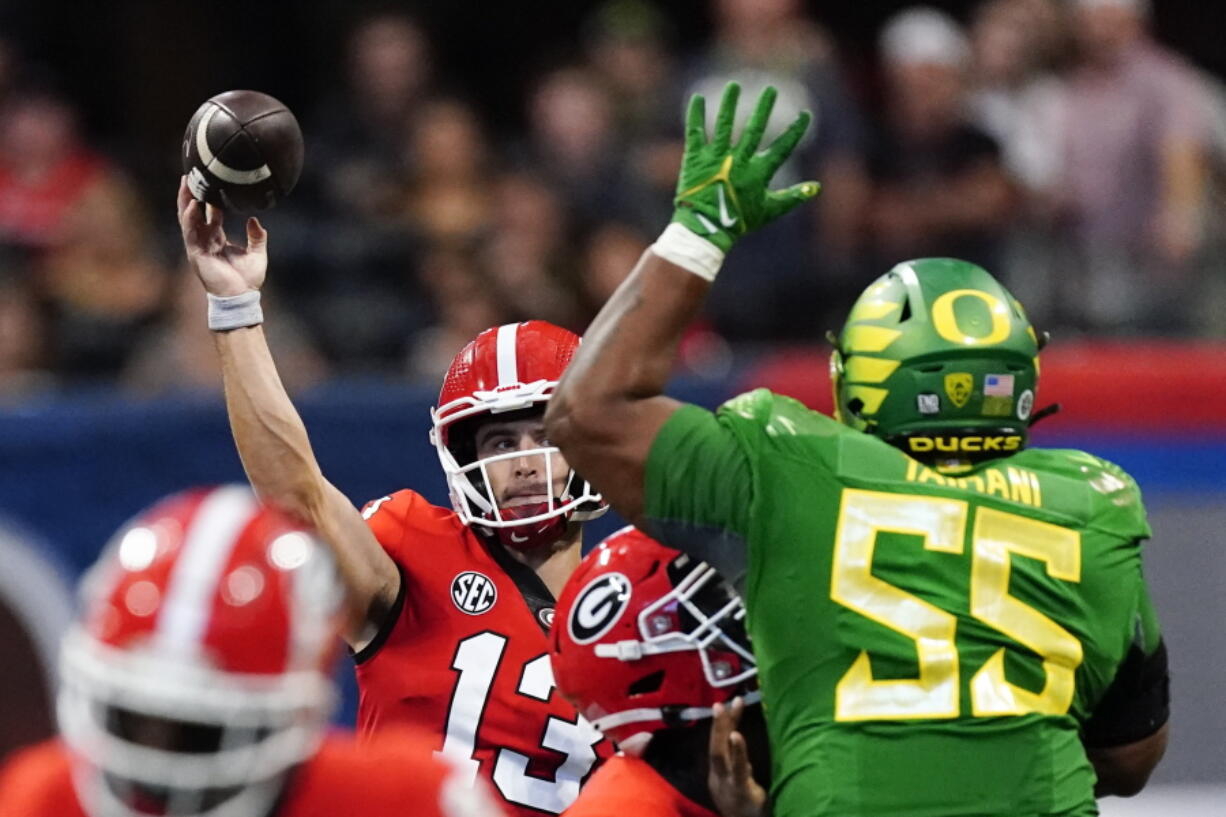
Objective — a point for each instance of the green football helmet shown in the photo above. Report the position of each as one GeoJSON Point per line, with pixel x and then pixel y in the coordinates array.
{"type": "Point", "coordinates": [938, 359]}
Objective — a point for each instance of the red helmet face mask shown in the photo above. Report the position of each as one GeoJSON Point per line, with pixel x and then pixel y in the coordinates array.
{"type": "Point", "coordinates": [199, 672]}
{"type": "Point", "coordinates": [645, 638]}
{"type": "Point", "coordinates": [504, 370]}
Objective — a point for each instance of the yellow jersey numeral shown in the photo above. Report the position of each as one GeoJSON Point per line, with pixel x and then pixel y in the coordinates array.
{"type": "Point", "coordinates": [942, 524]}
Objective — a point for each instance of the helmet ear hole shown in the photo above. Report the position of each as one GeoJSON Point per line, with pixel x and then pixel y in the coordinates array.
{"type": "Point", "coordinates": [855, 405]}
{"type": "Point", "coordinates": [905, 314]}
{"type": "Point", "coordinates": [462, 439]}
{"type": "Point", "coordinates": [646, 684]}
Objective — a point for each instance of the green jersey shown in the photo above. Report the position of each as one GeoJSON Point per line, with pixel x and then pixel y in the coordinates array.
{"type": "Point", "coordinates": [927, 645]}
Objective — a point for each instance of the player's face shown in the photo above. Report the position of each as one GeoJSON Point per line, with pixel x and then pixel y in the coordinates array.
{"type": "Point", "coordinates": [179, 737]}
{"type": "Point", "coordinates": [520, 480]}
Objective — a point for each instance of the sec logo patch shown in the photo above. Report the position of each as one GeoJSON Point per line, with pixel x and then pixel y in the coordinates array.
{"type": "Point", "coordinates": [474, 593]}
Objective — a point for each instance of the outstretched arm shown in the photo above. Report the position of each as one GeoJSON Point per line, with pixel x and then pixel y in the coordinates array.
{"type": "Point", "coordinates": [270, 436]}
{"type": "Point", "coordinates": [610, 404]}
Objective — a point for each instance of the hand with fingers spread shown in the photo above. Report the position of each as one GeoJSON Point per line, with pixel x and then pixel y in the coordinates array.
{"type": "Point", "coordinates": [724, 190]}
{"type": "Point", "coordinates": [730, 777]}
{"type": "Point", "coordinates": [225, 268]}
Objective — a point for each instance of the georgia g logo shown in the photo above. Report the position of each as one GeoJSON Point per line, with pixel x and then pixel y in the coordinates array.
{"type": "Point", "coordinates": [598, 607]}
{"type": "Point", "coordinates": [473, 592]}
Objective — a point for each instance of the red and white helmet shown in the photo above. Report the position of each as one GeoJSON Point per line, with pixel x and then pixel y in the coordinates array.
{"type": "Point", "coordinates": [199, 670]}
{"type": "Point", "coordinates": [509, 368]}
{"type": "Point", "coordinates": [645, 638]}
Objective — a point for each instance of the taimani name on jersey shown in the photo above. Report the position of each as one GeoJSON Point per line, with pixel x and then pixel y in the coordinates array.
{"type": "Point", "coordinates": [1009, 482]}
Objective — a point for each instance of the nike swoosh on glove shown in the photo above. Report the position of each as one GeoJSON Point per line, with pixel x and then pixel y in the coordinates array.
{"type": "Point", "coordinates": [723, 190]}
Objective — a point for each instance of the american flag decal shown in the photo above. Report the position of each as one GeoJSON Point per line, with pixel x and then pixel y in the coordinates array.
{"type": "Point", "coordinates": [998, 385]}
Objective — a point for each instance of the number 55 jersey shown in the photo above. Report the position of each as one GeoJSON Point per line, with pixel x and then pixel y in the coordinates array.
{"type": "Point", "coordinates": [464, 656]}
{"type": "Point", "coordinates": [928, 645]}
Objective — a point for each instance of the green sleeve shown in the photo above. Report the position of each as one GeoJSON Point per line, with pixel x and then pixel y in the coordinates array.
{"type": "Point", "coordinates": [1120, 507]}
{"type": "Point", "coordinates": [1148, 634]}
{"type": "Point", "coordinates": [1138, 701]}
{"type": "Point", "coordinates": [699, 488]}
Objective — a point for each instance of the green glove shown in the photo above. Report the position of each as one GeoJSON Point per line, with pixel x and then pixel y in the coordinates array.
{"type": "Point", "coordinates": [722, 192]}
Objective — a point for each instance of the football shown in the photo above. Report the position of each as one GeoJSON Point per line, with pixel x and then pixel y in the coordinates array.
{"type": "Point", "coordinates": [242, 151]}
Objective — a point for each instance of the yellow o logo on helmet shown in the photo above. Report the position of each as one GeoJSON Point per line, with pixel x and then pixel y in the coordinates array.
{"type": "Point", "coordinates": [946, 323]}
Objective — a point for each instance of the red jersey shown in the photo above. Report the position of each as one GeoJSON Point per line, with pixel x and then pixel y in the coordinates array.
{"type": "Point", "coordinates": [378, 778]}
{"type": "Point", "coordinates": [32, 211]}
{"type": "Point", "coordinates": [465, 657]}
{"type": "Point", "coordinates": [629, 786]}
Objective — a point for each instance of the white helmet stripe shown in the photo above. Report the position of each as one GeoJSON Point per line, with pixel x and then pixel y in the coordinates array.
{"type": "Point", "coordinates": [315, 595]}
{"type": "Point", "coordinates": [508, 359]}
{"type": "Point", "coordinates": [207, 545]}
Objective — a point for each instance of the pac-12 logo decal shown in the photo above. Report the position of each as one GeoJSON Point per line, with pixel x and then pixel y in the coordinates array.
{"type": "Point", "coordinates": [598, 607]}
{"type": "Point", "coordinates": [959, 386]}
{"type": "Point", "coordinates": [473, 592]}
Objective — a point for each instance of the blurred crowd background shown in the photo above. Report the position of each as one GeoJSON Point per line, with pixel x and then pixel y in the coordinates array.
{"type": "Point", "coordinates": [451, 184]}
{"type": "Point", "coordinates": [471, 162]}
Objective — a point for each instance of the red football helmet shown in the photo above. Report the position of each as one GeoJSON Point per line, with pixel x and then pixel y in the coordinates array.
{"type": "Point", "coordinates": [509, 368]}
{"type": "Point", "coordinates": [198, 673]}
{"type": "Point", "coordinates": [646, 639]}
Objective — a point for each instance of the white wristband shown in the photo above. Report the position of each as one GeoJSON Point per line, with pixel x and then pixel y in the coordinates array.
{"type": "Point", "coordinates": [682, 247]}
{"type": "Point", "coordinates": [234, 311]}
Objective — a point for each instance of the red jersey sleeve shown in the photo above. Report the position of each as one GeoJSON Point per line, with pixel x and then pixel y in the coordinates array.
{"type": "Point", "coordinates": [408, 526]}
{"type": "Point", "coordinates": [628, 785]}
{"type": "Point", "coordinates": [389, 775]}
{"type": "Point", "coordinates": [387, 518]}
{"type": "Point", "coordinates": [37, 782]}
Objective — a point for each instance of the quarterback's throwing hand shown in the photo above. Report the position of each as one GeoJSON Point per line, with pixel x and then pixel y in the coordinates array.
{"type": "Point", "coordinates": [224, 268]}
{"type": "Point", "coordinates": [723, 190]}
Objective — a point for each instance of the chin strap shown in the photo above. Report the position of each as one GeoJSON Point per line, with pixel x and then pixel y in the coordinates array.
{"type": "Point", "coordinates": [1044, 413]}
{"type": "Point", "coordinates": [529, 536]}
{"type": "Point", "coordinates": [1043, 339]}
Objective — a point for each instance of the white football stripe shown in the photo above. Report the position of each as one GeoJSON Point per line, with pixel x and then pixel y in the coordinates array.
{"type": "Point", "coordinates": [508, 363]}
{"type": "Point", "coordinates": [218, 168]}
{"type": "Point", "coordinates": [207, 546]}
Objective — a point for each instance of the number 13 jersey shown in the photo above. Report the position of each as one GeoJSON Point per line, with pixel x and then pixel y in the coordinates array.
{"type": "Point", "coordinates": [464, 655]}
